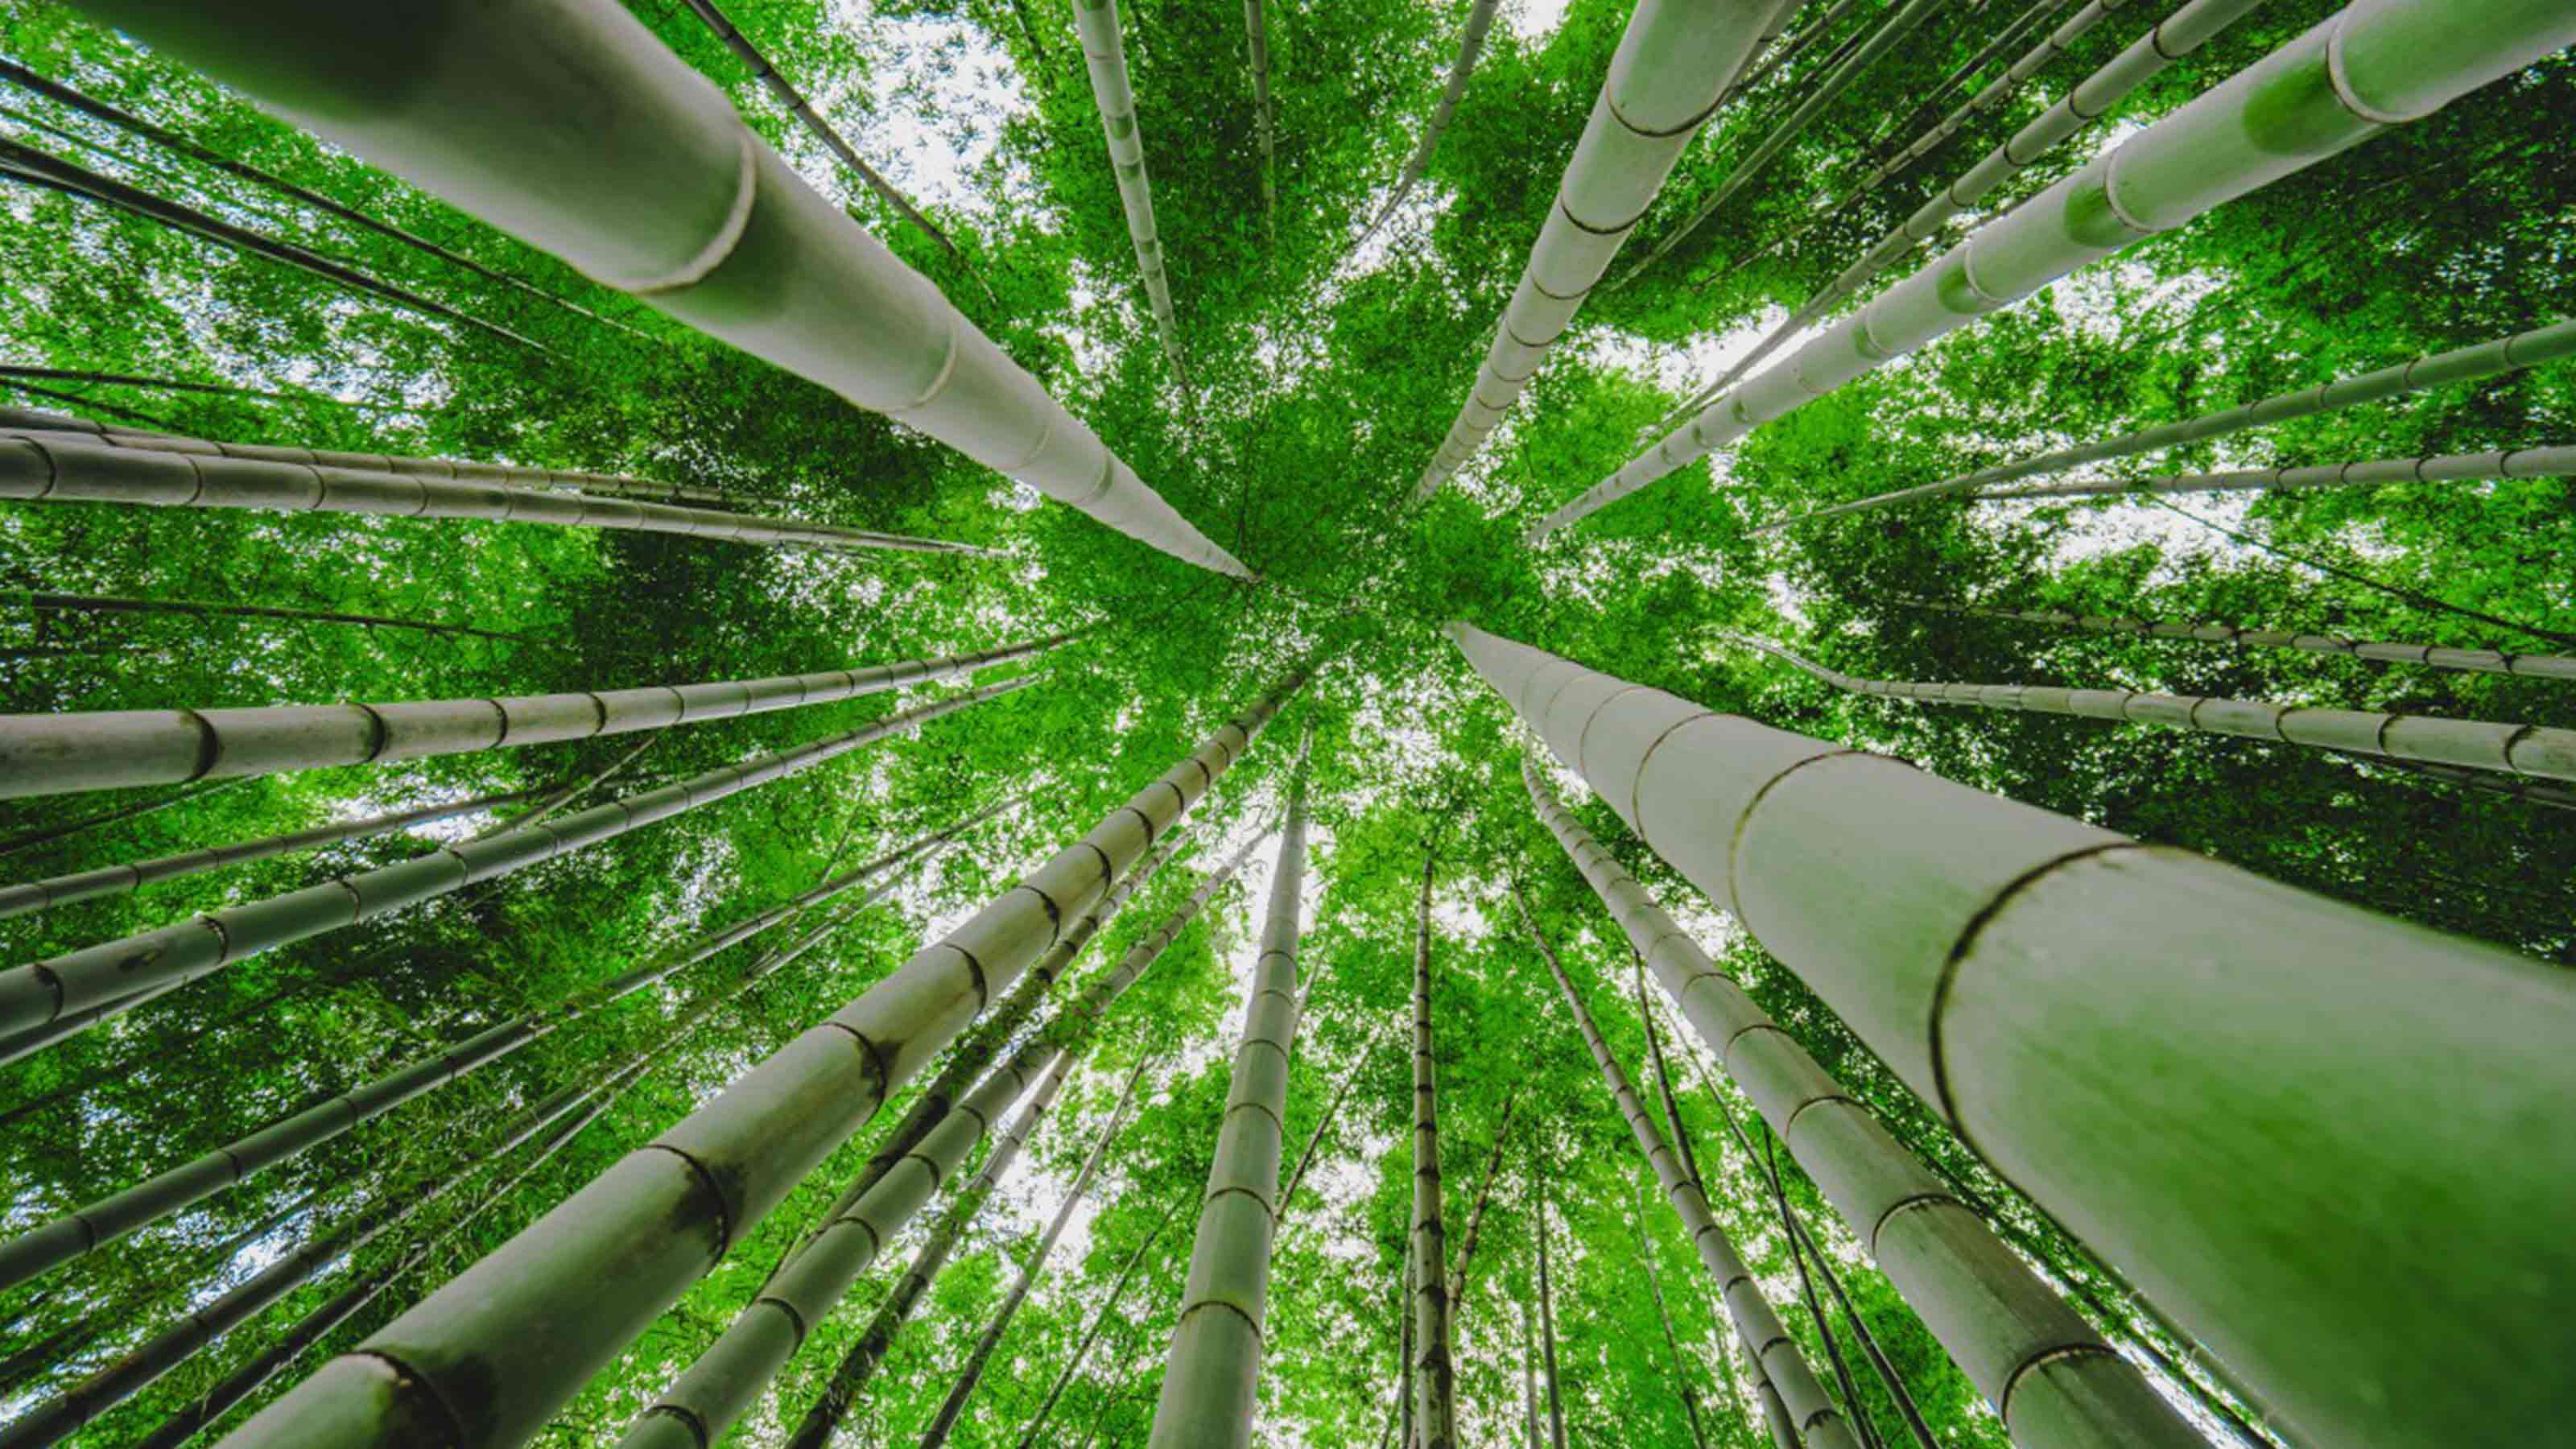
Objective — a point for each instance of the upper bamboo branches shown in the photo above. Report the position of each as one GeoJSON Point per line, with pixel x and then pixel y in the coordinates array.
{"type": "Point", "coordinates": [1104, 55]}
{"type": "Point", "coordinates": [1672, 66]}
{"type": "Point", "coordinates": [52, 754]}
{"type": "Point", "coordinates": [1471, 44]}
{"type": "Point", "coordinates": [2129, 1033]}
{"type": "Point", "coordinates": [576, 131]}
{"type": "Point", "coordinates": [1435, 1372]}
{"type": "Point", "coordinates": [2484, 661]}
{"type": "Point", "coordinates": [2531, 750]}
{"type": "Point", "coordinates": [610, 1258]}
{"type": "Point", "coordinates": [2376, 64]}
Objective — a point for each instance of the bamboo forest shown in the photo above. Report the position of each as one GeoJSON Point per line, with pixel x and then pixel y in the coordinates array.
{"type": "Point", "coordinates": [1396, 724]}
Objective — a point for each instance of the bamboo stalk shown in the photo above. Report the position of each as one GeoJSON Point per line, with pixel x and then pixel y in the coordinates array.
{"type": "Point", "coordinates": [2517, 789]}
{"type": "Point", "coordinates": [1547, 1318]}
{"type": "Point", "coordinates": [2483, 661]}
{"type": "Point", "coordinates": [1408, 1403]}
{"type": "Point", "coordinates": [2541, 462]}
{"type": "Point", "coordinates": [577, 131]}
{"type": "Point", "coordinates": [1471, 44]}
{"type": "Point", "coordinates": [53, 834]}
{"type": "Point", "coordinates": [571, 790]}
{"type": "Point", "coordinates": [1314, 1143]}
{"type": "Point", "coordinates": [53, 753]}
{"type": "Point", "coordinates": [2105, 1023]}
{"type": "Point", "coordinates": [107, 604]}
{"type": "Point", "coordinates": [172, 384]}
{"type": "Point", "coordinates": [1484, 1197]}
{"type": "Point", "coordinates": [1256, 36]}
{"type": "Point", "coordinates": [1529, 1380]}
{"type": "Point", "coordinates": [1104, 58]}
{"type": "Point", "coordinates": [1091, 1333]}
{"type": "Point", "coordinates": [1435, 1374]}
{"type": "Point", "coordinates": [1682, 1386]}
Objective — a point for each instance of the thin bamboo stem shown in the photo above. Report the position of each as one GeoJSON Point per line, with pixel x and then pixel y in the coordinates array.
{"type": "Point", "coordinates": [1683, 1388]}
{"type": "Point", "coordinates": [1315, 1142]}
{"type": "Point", "coordinates": [1100, 1319]}
{"type": "Point", "coordinates": [1435, 1372]}
{"type": "Point", "coordinates": [2542, 462]}
{"type": "Point", "coordinates": [106, 604]}
{"type": "Point", "coordinates": [173, 384]}
{"type": "Point", "coordinates": [571, 790]}
{"type": "Point", "coordinates": [2483, 661]}
{"type": "Point", "coordinates": [1547, 1316]}
{"type": "Point", "coordinates": [1471, 44]}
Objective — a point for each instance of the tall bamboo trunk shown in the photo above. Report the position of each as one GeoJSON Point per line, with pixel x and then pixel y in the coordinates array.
{"type": "Point", "coordinates": [1476, 1213]}
{"type": "Point", "coordinates": [2018, 971]}
{"type": "Point", "coordinates": [1547, 1318]}
{"type": "Point", "coordinates": [1672, 66]}
{"type": "Point", "coordinates": [99, 603]}
{"type": "Point", "coordinates": [1820, 1424]}
{"type": "Point", "coordinates": [1104, 56]}
{"type": "Point", "coordinates": [35, 995]}
{"type": "Point", "coordinates": [1214, 1366]}
{"type": "Point", "coordinates": [46, 754]}
{"type": "Point", "coordinates": [1435, 1372]}
{"type": "Point", "coordinates": [2515, 749]}
{"type": "Point", "coordinates": [1091, 1333]}
{"type": "Point", "coordinates": [577, 131]}
{"type": "Point", "coordinates": [1471, 44]}
{"type": "Point", "coordinates": [1683, 1388]}
{"type": "Point", "coordinates": [1256, 39]}
{"type": "Point", "coordinates": [850, 1377]}
{"type": "Point", "coordinates": [2483, 661]}
{"type": "Point", "coordinates": [2392, 61]}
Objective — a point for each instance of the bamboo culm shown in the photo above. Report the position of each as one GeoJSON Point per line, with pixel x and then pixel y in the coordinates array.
{"type": "Point", "coordinates": [1547, 1319]}
{"type": "Point", "coordinates": [2483, 661]}
{"type": "Point", "coordinates": [576, 130]}
{"type": "Point", "coordinates": [1820, 1424]}
{"type": "Point", "coordinates": [175, 384]}
{"type": "Point", "coordinates": [44, 991]}
{"type": "Point", "coordinates": [2533, 751]}
{"type": "Point", "coordinates": [1104, 57]}
{"type": "Point", "coordinates": [1256, 39]}
{"type": "Point", "coordinates": [2017, 971]}
{"type": "Point", "coordinates": [55, 753]}
{"type": "Point", "coordinates": [564, 794]}
{"type": "Point", "coordinates": [1476, 1213]}
{"type": "Point", "coordinates": [1315, 1142]}
{"type": "Point", "coordinates": [1683, 1388]}
{"type": "Point", "coordinates": [1091, 1334]}
{"type": "Point", "coordinates": [1471, 44]}
{"type": "Point", "coordinates": [2551, 461]}
{"type": "Point", "coordinates": [104, 604]}
{"type": "Point", "coordinates": [1673, 65]}
{"type": "Point", "coordinates": [1435, 1373]}
{"type": "Point", "coordinates": [955, 1404]}
{"type": "Point", "coordinates": [1214, 1366]}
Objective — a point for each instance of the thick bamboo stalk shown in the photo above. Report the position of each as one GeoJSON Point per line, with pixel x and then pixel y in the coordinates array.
{"type": "Point", "coordinates": [2533, 751]}
{"type": "Point", "coordinates": [1100, 1319]}
{"type": "Point", "coordinates": [2128, 1033]}
{"type": "Point", "coordinates": [1891, 32]}
{"type": "Point", "coordinates": [104, 604]}
{"type": "Point", "coordinates": [1471, 44]}
{"type": "Point", "coordinates": [2483, 661]}
{"type": "Point", "coordinates": [97, 1224]}
{"type": "Point", "coordinates": [1820, 1424]}
{"type": "Point", "coordinates": [53, 753]}
{"type": "Point", "coordinates": [736, 1369]}
{"type": "Point", "coordinates": [113, 880]}
{"type": "Point", "coordinates": [955, 1404]}
{"type": "Point", "coordinates": [1547, 1319]}
{"type": "Point", "coordinates": [43, 991]}
{"type": "Point", "coordinates": [1214, 1366]}
{"type": "Point", "coordinates": [1683, 1388]}
{"type": "Point", "coordinates": [850, 1377]}
{"type": "Point", "coordinates": [2541, 462]}
{"type": "Point", "coordinates": [1435, 1374]}
{"type": "Point", "coordinates": [1673, 66]}
{"type": "Point", "coordinates": [1104, 57]}
{"type": "Point", "coordinates": [1315, 1142]}
{"type": "Point", "coordinates": [2374, 65]}
{"type": "Point", "coordinates": [575, 130]}
{"type": "Point", "coordinates": [1256, 38]}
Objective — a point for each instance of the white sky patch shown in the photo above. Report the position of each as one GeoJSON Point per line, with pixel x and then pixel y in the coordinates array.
{"type": "Point", "coordinates": [1535, 20]}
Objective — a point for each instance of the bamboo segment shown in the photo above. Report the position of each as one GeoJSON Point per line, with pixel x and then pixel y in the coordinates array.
{"type": "Point", "coordinates": [1672, 68]}
{"type": "Point", "coordinates": [600, 1267]}
{"type": "Point", "coordinates": [2543, 462]}
{"type": "Point", "coordinates": [1104, 55]}
{"type": "Point", "coordinates": [2534, 751]}
{"type": "Point", "coordinates": [2373, 65]}
{"type": "Point", "coordinates": [1820, 1424]}
{"type": "Point", "coordinates": [575, 130]}
{"type": "Point", "coordinates": [2128, 1034]}
{"type": "Point", "coordinates": [1314, 1143]}
{"type": "Point", "coordinates": [2483, 661]}
{"type": "Point", "coordinates": [1090, 1335]}
{"type": "Point", "coordinates": [1214, 1368]}
{"type": "Point", "coordinates": [1471, 44]}
{"type": "Point", "coordinates": [1256, 37]}
{"type": "Point", "coordinates": [1435, 1374]}
{"type": "Point", "coordinates": [45, 754]}
{"type": "Point", "coordinates": [35, 994]}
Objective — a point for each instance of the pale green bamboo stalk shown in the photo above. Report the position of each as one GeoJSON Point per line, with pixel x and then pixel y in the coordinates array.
{"type": "Point", "coordinates": [115, 880]}
{"type": "Point", "coordinates": [1214, 1367]}
{"type": "Point", "coordinates": [1547, 1322]}
{"type": "Point", "coordinates": [2541, 462]}
{"type": "Point", "coordinates": [2374, 65]}
{"type": "Point", "coordinates": [1529, 1380]}
{"type": "Point", "coordinates": [575, 130]}
{"type": "Point", "coordinates": [2483, 661]}
{"type": "Point", "coordinates": [1757, 1327]}
{"type": "Point", "coordinates": [53, 753]}
{"type": "Point", "coordinates": [1476, 1213]}
{"type": "Point", "coordinates": [1104, 57]}
{"type": "Point", "coordinates": [1407, 1404]}
{"type": "Point", "coordinates": [2534, 751]}
{"type": "Point", "coordinates": [1256, 36]}
{"type": "Point", "coordinates": [1314, 1143]}
{"type": "Point", "coordinates": [1672, 68]}
{"type": "Point", "coordinates": [955, 1404]}
{"type": "Point", "coordinates": [1471, 45]}
{"type": "Point", "coordinates": [1091, 1334]}
{"type": "Point", "coordinates": [44, 991]}
{"type": "Point", "coordinates": [1435, 1374]}
{"type": "Point", "coordinates": [105, 604]}
{"type": "Point", "coordinates": [2128, 1033]}
{"type": "Point", "coordinates": [565, 793]}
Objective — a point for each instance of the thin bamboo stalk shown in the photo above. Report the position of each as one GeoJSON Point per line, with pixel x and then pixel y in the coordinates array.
{"type": "Point", "coordinates": [1214, 1366]}
{"type": "Point", "coordinates": [2541, 462]}
{"type": "Point", "coordinates": [1091, 1334]}
{"type": "Point", "coordinates": [1815, 1310]}
{"type": "Point", "coordinates": [1408, 1404]}
{"type": "Point", "coordinates": [55, 833]}
{"type": "Point", "coordinates": [570, 790]}
{"type": "Point", "coordinates": [1471, 44]}
{"type": "Point", "coordinates": [1673, 66]}
{"type": "Point", "coordinates": [1529, 1380]}
{"type": "Point", "coordinates": [2518, 789]}
{"type": "Point", "coordinates": [1683, 1388]}
{"type": "Point", "coordinates": [1315, 1142]}
{"type": "Point", "coordinates": [1547, 1317]}
{"type": "Point", "coordinates": [1435, 1374]}
{"type": "Point", "coordinates": [1256, 38]}
{"type": "Point", "coordinates": [2105, 1023]}
{"type": "Point", "coordinates": [2483, 661]}
{"type": "Point", "coordinates": [1104, 57]}
{"type": "Point", "coordinates": [577, 131]}
{"type": "Point", "coordinates": [2013, 33]}
{"type": "Point", "coordinates": [1796, 45]}
{"type": "Point", "coordinates": [2535, 751]}
{"type": "Point", "coordinates": [105, 604]}
{"type": "Point", "coordinates": [53, 753]}
{"type": "Point", "coordinates": [173, 384]}
{"type": "Point", "coordinates": [1476, 1212]}
{"type": "Point", "coordinates": [1820, 1424]}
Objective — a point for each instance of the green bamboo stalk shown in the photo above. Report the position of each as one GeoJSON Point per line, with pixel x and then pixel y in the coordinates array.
{"type": "Point", "coordinates": [2541, 462]}
{"type": "Point", "coordinates": [1408, 1403]}
{"type": "Point", "coordinates": [1091, 1334]}
{"type": "Point", "coordinates": [1471, 44]}
{"type": "Point", "coordinates": [1682, 1386]}
{"type": "Point", "coordinates": [1547, 1318]}
{"type": "Point", "coordinates": [44, 991]}
{"type": "Point", "coordinates": [1214, 1366]}
{"type": "Point", "coordinates": [173, 384]}
{"type": "Point", "coordinates": [955, 1404]}
{"type": "Point", "coordinates": [2524, 790]}
{"type": "Point", "coordinates": [577, 131]}
{"type": "Point", "coordinates": [1256, 37]}
{"type": "Point", "coordinates": [53, 753]}
{"type": "Point", "coordinates": [1435, 1374]}
{"type": "Point", "coordinates": [2374, 65]}
{"type": "Point", "coordinates": [1672, 68]}
{"type": "Point", "coordinates": [2534, 751]}
{"type": "Point", "coordinates": [107, 604]}
{"type": "Point", "coordinates": [607, 1261]}
{"type": "Point", "coordinates": [570, 790]}
{"type": "Point", "coordinates": [2014, 33]}
{"type": "Point", "coordinates": [1484, 1197]}
{"type": "Point", "coordinates": [1816, 1311]}
{"type": "Point", "coordinates": [2127, 1033]}
{"type": "Point", "coordinates": [2483, 661]}
{"type": "Point", "coordinates": [1529, 1380]}
{"type": "Point", "coordinates": [53, 834]}
{"type": "Point", "coordinates": [1314, 1143]}
{"type": "Point", "coordinates": [1757, 1327]}
{"type": "Point", "coordinates": [1104, 57]}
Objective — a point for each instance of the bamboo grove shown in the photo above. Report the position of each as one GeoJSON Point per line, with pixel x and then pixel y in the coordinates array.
{"type": "Point", "coordinates": [1731, 724]}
